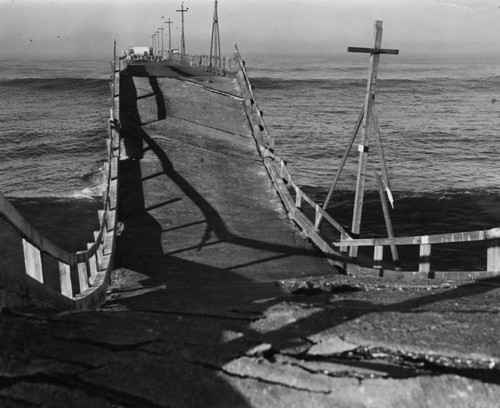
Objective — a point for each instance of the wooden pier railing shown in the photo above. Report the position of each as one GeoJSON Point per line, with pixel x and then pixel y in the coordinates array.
{"type": "Point", "coordinates": [84, 275]}
{"type": "Point", "coordinates": [297, 203]}
{"type": "Point", "coordinates": [333, 239]}
{"type": "Point", "coordinates": [220, 65]}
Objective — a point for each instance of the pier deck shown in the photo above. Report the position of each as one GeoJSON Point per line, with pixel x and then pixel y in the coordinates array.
{"type": "Point", "coordinates": [200, 214]}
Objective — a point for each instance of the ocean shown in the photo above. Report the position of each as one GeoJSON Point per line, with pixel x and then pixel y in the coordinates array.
{"type": "Point", "coordinates": [438, 119]}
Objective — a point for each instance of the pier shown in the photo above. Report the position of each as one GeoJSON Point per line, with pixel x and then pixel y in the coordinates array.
{"type": "Point", "coordinates": [214, 280]}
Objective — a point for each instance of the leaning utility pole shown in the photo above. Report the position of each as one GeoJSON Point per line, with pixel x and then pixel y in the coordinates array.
{"type": "Point", "coordinates": [183, 43]}
{"type": "Point", "coordinates": [169, 34]}
{"type": "Point", "coordinates": [215, 44]}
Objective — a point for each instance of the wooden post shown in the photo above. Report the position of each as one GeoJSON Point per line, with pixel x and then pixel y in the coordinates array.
{"type": "Point", "coordinates": [33, 261]}
{"type": "Point", "coordinates": [493, 251]}
{"type": "Point", "coordinates": [365, 128]}
{"type": "Point", "coordinates": [424, 255]}
{"type": "Point", "coordinates": [298, 197]}
{"type": "Point", "coordinates": [378, 256]}
{"type": "Point", "coordinates": [65, 279]}
{"type": "Point", "coordinates": [387, 218]}
{"type": "Point", "coordinates": [383, 165]}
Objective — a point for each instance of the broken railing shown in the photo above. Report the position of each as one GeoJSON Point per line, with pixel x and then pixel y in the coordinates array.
{"type": "Point", "coordinates": [425, 244]}
{"type": "Point", "coordinates": [83, 276]}
{"type": "Point", "coordinates": [297, 203]}
{"type": "Point", "coordinates": [220, 65]}
{"type": "Point", "coordinates": [308, 215]}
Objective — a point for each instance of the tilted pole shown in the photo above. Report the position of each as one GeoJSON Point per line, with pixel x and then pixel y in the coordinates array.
{"type": "Point", "coordinates": [215, 43]}
{"type": "Point", "coordinates": [365, 128]}
{"type": "Point", "coordinates": [183, 43]}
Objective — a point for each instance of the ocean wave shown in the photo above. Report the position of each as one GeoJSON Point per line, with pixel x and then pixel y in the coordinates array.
{"type": "Point", "coordinates": [58, 84]}
{"type": "Point", "coordinates": [423, 85]}
{"type": "Point", "coordinates": [283, 83]}
{"type": "Point", "coordinates": [88, 192]}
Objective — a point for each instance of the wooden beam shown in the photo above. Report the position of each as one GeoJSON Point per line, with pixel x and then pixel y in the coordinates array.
{"type": "Point", "coordinates": [417, 240]}
{"type": "Point", "coordinates": [65, 279]}
{"type": "Point", "coordinates": [342, 162]}
{"type": "Point", "coordinates": [387, 219]}
{"type": "Point", "coordinates": [33, 261]}
{"type": "Point", "coordinates": [373, 50]}
{"type": "Point", "coordinates": [365, 143]}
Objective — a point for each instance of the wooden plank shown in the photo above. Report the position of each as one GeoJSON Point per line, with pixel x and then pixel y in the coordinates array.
{"type": "Point", "coordinates": [378, 256]}
{"type": "Point", "coordinates": [115, 140]}
{"type": "Point", "coordinates": [493, 251]}
{"type": "Point", "coordinates": [33, 261]}
{"type": "Point", "coordinates": [373, 50]}
{"type": "Point", "coordinates": [83, 282]}
{"type": "Point", "coordinates": [93, 267]}
{"type": "Point", "coordinates": [387, 218]}
{"type": "Point", "coordinates": [380, 148]}
{"type": "Point", "coordinates": [493, 255]}
{"type": "Point", "coordinates": [114, 168]}
{"type": "Point", "coordinates": [110, 220]}
{"type": "Point", "coordinates": [100, 215]}
{"type": "Point", "coordinates": [113, 192]}
{"type": "Point", "coordinates": [298, 197]}
{"type": "Point", "coordinates": [417, 240]}
{"type": "Point", "coordinates": [424, 264]}
{"type": "Point", "coordinates": [107, 247]}
{"type": "Point", "coordinates": [99, 251]}
{"type": "Point", "coordinates": [365, 142]}
{"type": "Point", "coordinates": [29, 233]}
{"type": "Point", "coordinates": [65, 279]}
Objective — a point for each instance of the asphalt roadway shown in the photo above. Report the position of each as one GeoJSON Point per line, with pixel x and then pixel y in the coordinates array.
{"type": "Point", "coordinates": [218, 301]}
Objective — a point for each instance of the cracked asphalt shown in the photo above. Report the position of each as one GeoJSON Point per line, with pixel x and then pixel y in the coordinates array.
{"type": "Point", "coordinates": [217, 301]}
{"type": "Point", "coordinates": [347, 343]}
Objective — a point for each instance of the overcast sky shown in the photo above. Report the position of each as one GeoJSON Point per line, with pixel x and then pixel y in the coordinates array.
{"type": "Point", "coordinates": [86, 28]}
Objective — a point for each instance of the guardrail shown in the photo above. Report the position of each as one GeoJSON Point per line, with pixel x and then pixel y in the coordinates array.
{"type": "Point", "coordinates": [83, 276]}
{"type": "Point", "coordinates": [220, 65]}
{"type": "Point", "coordinates": [306, 213]}
{"type": "Point", "coordinates": [425, 243]}
{"type": "Point", "coordinates": [293, 197]}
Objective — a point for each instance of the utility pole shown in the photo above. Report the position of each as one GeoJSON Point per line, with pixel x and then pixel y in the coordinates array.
{"type": "Point", "coordinates": [183, 43]}
{"type": "Point", "coordinates": [161, 29]}
{"type": "Point", "coordinates": [158, 41]}
{"type": "Point", "coordinates": [153, 42]}
{"type": "Point", "coordinates": [169, 34]}
{"type": "Point", "coordinates": [215, 44]}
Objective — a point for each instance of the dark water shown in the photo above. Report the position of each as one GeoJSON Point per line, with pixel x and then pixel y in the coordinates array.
{"type": "Point", "coordinates": [53, 129]}
{"type": "Point", "coordinates": [438, 123]}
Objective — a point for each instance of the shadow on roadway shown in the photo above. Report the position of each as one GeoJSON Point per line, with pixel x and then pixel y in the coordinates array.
{"type": "Point", "coordinates": [212, 289]}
